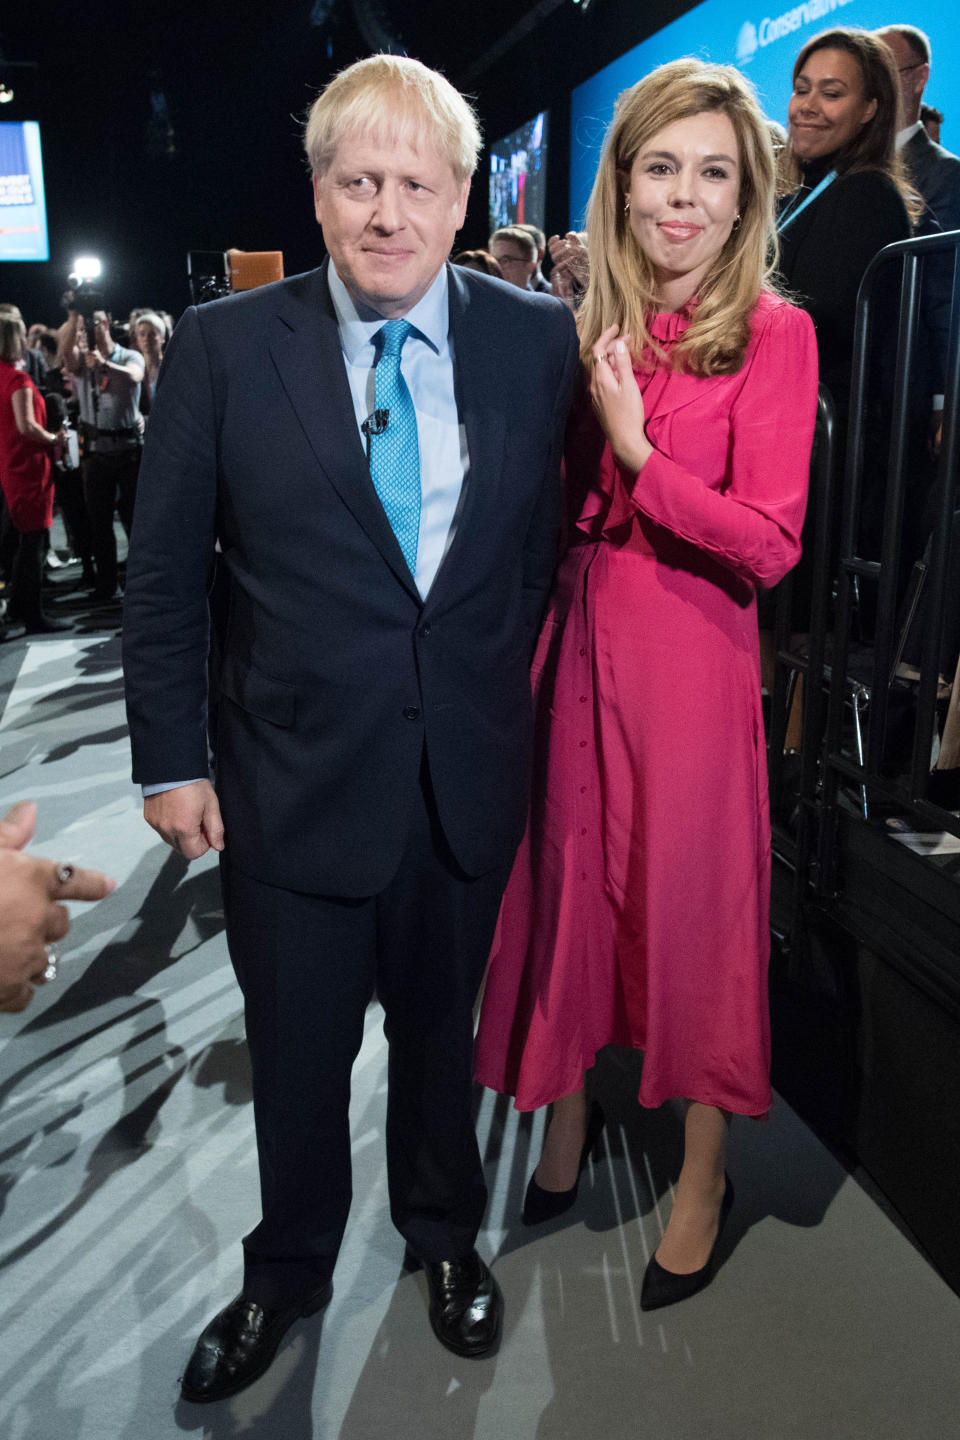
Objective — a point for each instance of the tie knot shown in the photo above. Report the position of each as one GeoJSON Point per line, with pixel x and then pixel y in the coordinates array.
{"type": "Point", "coordinates": [393, 334]}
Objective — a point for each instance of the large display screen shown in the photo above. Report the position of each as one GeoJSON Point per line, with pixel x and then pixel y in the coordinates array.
{"type": "Point", "coordinates": [23, 212]}
{"type": "Point", "coordinates": [763, 44]}
{"type": "Point", "coordinates": [518, 176]}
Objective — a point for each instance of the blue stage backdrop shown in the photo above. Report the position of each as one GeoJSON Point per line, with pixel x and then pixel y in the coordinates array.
{"type": "Point", "coordinates": [763, 44]}
{"type": "Point", "coordinates": [23, 215]}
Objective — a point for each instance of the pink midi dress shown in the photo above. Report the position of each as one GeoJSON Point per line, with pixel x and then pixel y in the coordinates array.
{"type": "Point", "coordinates": [637, 910]}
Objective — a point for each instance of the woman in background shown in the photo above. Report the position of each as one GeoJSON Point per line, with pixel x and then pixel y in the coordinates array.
{"type": "Point", "coordinates": [480, 260]}
{"type": "Point", "coordinates": [637, 912]}
{"type": "Point", "coordinates": [851, 198]}
{"type": "Point", "coordinates": [151, 336]}
{"type": "Point", "coordinates": [26, 447]}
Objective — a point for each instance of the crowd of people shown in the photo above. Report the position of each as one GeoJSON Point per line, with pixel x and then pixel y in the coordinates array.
{"type": "Point", "coordinates": [74, 403]}
{"type": "Point", "coordinates": [372, 802]}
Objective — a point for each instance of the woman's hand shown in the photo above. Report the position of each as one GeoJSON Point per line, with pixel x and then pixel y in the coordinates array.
{"type": "Point", "coordinates": [568, 253]}
{"type": "Point", "coordinates": [562, 283]}
{"type": "Point", "coordinates": [617, 400]}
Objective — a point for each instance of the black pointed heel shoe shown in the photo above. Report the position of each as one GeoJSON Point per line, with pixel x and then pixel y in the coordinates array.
{"type": "Point", "coordinates": [540, 1205]}
{"type": "Point", "coordinates": [664, 1287]}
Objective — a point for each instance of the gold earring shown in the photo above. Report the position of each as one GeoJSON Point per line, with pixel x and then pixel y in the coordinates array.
{"type": "Point", "coordinates": [736, 221]}
{"type": "Point", "coordinates": [626, 205]}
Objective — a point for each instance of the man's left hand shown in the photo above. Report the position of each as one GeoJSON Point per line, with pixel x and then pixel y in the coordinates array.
{"type": "Point", "coordinates": [187, 817]}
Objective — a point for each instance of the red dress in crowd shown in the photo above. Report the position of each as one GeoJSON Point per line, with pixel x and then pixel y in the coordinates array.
{"type": "Point", "coordinates": [637, 911]}
{"type": "Point", "coordinates": [25, 472]}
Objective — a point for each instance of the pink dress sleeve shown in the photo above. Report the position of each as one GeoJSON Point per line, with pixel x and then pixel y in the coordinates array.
{"type": "Point", "coordinates": [752, 523]}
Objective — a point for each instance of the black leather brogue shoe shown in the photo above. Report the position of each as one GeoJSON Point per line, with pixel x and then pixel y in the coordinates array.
{"type": "Point", "coordinates": [466, 1303]}
{"type": "Point", "coordinates": [239, 1344]}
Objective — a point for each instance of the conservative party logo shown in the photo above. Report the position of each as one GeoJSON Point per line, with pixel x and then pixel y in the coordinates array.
{"type": "Point", "coordinates": [746, 42]}
{"type": "Point", "coordinates": [751, 37]}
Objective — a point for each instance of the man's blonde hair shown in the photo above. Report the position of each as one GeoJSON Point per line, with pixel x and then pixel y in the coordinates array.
{"type": "Point", "coordinates": [517, 235]}
{"type": "Point", "coordinates": [391, 99]}
{"type": "Point", "coordinates": [622, 290]}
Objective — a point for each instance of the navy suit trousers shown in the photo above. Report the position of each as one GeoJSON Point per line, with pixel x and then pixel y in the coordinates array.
{"type": "Point", "coordinates": [309, 966]}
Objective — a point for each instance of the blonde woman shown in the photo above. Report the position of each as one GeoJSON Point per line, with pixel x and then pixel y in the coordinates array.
{"type": "Point", "coordinates": [637, 912]}
{"type": "Point", "coordinates": [151, 337]}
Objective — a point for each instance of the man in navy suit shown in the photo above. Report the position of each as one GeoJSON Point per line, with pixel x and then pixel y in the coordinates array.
{"type": "Point", "coordinates": [375, 445]}
{"type": "Point", "coordinates": [934, 170]}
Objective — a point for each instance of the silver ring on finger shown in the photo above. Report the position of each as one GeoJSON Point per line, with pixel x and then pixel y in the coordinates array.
{"type": "Point", "coordinates": [64, 872]}
{"type": "Point", "coordinates": [53, 959]}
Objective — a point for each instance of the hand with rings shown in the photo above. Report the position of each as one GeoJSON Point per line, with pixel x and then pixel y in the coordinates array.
{"type": "Point", "coordinates": [617, 399]}
{"type": "Point", "coordinates": [32, 913]}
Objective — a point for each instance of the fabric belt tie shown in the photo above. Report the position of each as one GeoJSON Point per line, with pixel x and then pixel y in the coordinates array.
{"type": "Point", "coordinates": [395, 452]}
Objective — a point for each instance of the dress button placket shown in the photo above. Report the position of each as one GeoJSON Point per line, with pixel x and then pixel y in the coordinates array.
{"type": "Point", "coordinates": [584, 697]}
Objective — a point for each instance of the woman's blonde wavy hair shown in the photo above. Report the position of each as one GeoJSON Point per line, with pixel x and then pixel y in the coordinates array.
{"type": "Point", "coordinates": [621, 290]}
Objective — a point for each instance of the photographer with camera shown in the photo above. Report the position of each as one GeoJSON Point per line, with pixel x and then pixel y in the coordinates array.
{"type": "Point", "coordinates": [107, 380]}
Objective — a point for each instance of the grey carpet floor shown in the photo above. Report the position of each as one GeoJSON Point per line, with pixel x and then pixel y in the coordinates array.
{"type": "Point", "coordinates": [128, 1175]}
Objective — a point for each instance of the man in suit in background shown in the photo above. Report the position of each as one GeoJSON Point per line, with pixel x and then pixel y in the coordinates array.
{"type": "Point", "coordinates": [934, 171]}
{"type": "Point", "coordinates": [388, 520]}
{"type": "Point", "coordinates": [932, 119]}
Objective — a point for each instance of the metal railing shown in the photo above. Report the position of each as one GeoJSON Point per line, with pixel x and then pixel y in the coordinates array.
{"type": "Point", "coordinates": [832, 764]}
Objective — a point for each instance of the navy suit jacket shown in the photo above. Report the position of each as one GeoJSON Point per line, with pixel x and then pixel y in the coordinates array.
{"type": "Point", "coordinates": [335, 674]}
{"type": "Point", "coordinates": [936, 174]}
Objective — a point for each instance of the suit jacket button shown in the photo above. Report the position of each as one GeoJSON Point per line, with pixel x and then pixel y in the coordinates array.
{"type": "Point", "coordinates": [411, 712]}
{"type": "Point", "coordinates": [424, 631]}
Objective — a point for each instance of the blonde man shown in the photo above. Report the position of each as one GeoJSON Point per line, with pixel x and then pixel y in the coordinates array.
{"type": "Point", "coordinates": [540, 283]}
{"type": "Point", "coordinates": [374, 719]}
{"type": "Point", "coordinates": [515, 251]}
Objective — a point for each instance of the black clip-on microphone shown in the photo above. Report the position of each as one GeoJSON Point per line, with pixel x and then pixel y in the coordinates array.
{"type": "Point", "coordinates": [376, 423]}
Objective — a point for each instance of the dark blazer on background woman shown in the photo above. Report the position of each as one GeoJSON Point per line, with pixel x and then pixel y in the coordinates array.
{"type": "Point", "coordinates": [825, 251]}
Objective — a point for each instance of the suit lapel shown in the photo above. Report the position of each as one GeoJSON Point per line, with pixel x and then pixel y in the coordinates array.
{"type": "Point", "coordinates": [306, 351]}
{"type": "Point", "coordinates": [918, 152]}
{"type": "Point", "coordinates": [484, 417]}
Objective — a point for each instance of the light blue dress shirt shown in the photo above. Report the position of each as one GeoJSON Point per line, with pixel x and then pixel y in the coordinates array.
{"type": "Point", "coordinates": [427, 366]}
{"type": "Point", "coordinates": [426, 363]}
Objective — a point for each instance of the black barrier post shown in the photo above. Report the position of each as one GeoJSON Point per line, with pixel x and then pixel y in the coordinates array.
{"type": "Point", "coordinates": [837, 766]}
{"type": "Point", "coordinates": [947, 469]}
{"type": "Point", "coordinates": [806, 874]}
{"type": "Point", "coordinates": [889, 582]}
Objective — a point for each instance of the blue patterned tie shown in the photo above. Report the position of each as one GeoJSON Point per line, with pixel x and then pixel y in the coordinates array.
{"type": "Point", "coordinates": [395, 455]}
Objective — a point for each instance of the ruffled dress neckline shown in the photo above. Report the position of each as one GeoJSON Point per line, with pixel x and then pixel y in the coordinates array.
{"type": "Point", "coordinates": [669, 325]}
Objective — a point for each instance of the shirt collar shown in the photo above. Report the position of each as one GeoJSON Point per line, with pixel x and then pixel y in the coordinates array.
{"type": "Point", "coordinates": [904, 135]}
{"type": "Point", "coordinates": [430, 317]}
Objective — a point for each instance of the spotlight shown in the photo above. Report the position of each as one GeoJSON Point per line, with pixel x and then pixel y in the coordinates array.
{"type": "Point", "coordinates": [86, 267]}
{"type": "Point", "coordinates": [6, 94]}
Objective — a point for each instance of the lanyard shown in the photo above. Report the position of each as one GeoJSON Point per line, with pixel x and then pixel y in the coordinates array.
{"type": "Point", "coordinates": [794, 210]}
